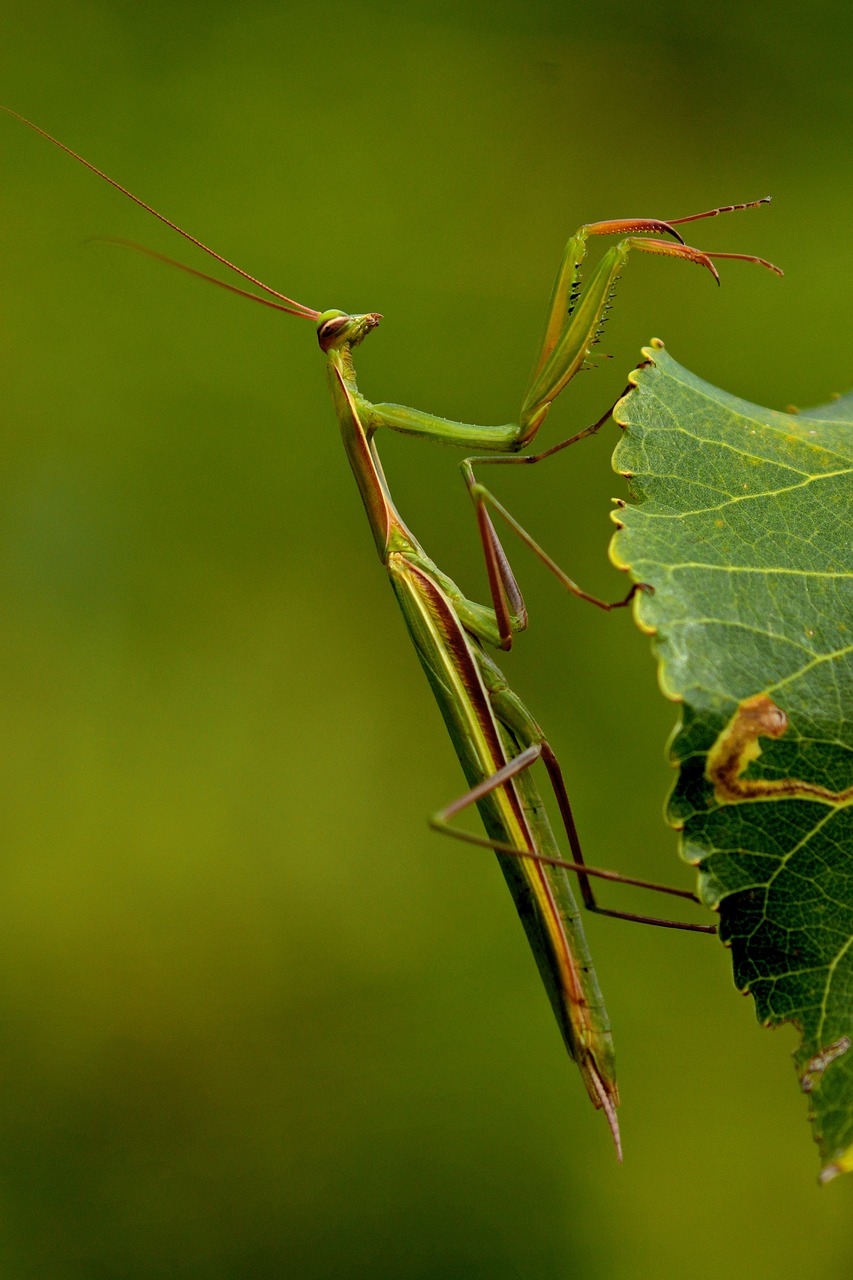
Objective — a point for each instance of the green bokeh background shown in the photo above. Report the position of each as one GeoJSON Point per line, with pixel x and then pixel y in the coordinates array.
{"type": "Point", "coordinates": [255, 1020]}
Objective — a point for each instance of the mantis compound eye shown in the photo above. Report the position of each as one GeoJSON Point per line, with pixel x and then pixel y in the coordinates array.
{"type": "Point", "coordinates": [331, 327]}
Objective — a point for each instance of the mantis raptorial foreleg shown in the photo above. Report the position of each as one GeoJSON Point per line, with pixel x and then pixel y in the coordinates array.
{"type": "Point", "coordinates": [575, 319]}
{"type": "Point", "coordinates": [573, 325]}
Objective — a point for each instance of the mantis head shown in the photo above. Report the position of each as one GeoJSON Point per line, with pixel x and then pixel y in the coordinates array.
{"type": "Point", "coordinates": [336, 329]}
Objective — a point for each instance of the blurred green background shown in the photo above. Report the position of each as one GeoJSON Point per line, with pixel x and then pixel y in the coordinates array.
{"type": "Point", "coordinates": [255, 1020]}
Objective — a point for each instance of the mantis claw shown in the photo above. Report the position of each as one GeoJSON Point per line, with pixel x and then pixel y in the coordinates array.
{"type": "Point", "coordinates": [631, 226]}
{"type": "Point", "coordinates": [677, 251]}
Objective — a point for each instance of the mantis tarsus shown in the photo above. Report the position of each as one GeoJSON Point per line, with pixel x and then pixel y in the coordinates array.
{"type": "Point", "coordinates": [496, 738]}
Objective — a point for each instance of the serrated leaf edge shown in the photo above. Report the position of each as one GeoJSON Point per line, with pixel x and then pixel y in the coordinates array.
{"type": "Point", "coordinates": [842, 1161]}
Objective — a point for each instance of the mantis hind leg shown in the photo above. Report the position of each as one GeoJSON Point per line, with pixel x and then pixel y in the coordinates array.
{"type": "Point", "coordinates": [511, 712]}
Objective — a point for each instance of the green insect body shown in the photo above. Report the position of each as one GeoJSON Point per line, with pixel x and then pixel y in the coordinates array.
{"type": "Point", "coordinates": [495, 737]}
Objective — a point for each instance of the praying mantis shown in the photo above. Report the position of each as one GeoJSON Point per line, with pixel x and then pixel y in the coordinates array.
{"type": "Point", "coordinates": [496, 738]}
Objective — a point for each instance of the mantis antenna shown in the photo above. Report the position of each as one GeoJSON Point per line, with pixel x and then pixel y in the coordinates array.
{"type": "Point", "coordinates": [292, 307]}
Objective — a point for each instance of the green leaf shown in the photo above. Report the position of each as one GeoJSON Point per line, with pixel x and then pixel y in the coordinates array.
{"type": "Point", "coordinates": [741, 520]}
